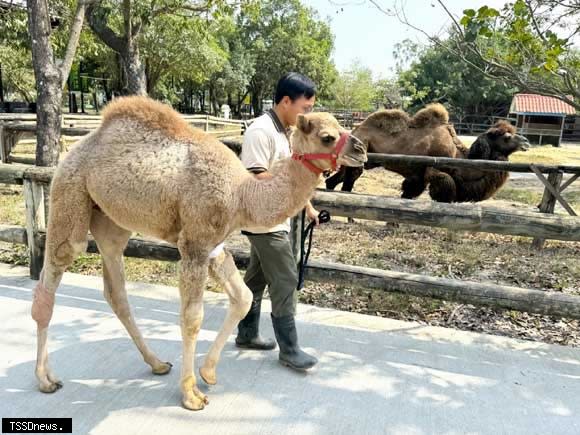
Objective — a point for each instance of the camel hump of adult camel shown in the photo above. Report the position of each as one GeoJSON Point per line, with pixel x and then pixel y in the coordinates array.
{"type": "Point", "coordinates": [394, 121]}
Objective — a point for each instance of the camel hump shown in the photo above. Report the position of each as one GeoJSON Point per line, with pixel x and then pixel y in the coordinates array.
{"type": "Point", "coordinates": [153, 115]}
{"type": "Point", "coordinates": [431, 116]}
{"type": "Point", "coordinates": [390, 121]}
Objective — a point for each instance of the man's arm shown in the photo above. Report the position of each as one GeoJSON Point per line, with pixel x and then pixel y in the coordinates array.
{"type": "Point", "coordinates": [264, 175]}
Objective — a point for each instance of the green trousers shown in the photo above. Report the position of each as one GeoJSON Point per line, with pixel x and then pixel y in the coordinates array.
{"type": "Point", "coordinates": [272, 263]}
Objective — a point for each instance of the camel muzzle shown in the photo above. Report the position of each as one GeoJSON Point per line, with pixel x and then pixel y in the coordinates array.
{"type": "Point", "coordinates": [355, 154]}
{"type": "Point", "coordinates": [524, 143]}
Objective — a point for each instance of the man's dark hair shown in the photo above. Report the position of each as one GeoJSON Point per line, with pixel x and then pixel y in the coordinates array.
{"type": "Point", "coordinates": [294, 85]}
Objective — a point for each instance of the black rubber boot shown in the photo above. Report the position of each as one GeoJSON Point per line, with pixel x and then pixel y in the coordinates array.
{"type": "Point", "coordinates": [249, 332]}
{"type": "Point", "coordinates": [290, 354]}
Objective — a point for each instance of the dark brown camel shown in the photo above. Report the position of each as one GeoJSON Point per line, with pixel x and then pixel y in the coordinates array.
{"type": "Point", "coordinates": [429, 133]}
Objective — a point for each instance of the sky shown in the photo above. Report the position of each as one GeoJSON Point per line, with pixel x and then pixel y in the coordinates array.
{"type": "Point", "coordinates": [365, 35]}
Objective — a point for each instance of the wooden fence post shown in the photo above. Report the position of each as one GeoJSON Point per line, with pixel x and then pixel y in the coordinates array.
{"type": "Point", "coordinates": [35, 222]}
{"type": "Point", "coordinates": [548, 203]}
{"type": "Point", "coordinates": [3, 146]}
{"type": "Point", "coordinates": [206, 128]}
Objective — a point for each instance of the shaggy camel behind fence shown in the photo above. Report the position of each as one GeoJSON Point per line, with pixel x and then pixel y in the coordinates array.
{"type": "Point", "coordinates": [146, 170]}
{"type": "Point", "coordinates": [429, 133]}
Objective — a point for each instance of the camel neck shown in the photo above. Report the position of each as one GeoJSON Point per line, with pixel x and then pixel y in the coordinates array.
{"type": "Point", "coordinates": [269, 202]}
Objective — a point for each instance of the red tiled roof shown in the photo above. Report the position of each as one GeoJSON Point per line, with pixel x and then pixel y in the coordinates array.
{"type": "Point", "coordinates": [532, 103]}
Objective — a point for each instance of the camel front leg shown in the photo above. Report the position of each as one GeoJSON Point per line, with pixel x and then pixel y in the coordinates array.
{"type": "Point", "coordinates": [224, 271]}
{"type": "Point", "coordinates": [191, 286]}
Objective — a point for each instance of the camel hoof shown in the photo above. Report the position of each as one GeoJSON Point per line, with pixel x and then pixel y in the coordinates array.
{"type": "Point", "coordinates": [194, 404]}
{"type": "Point", "coordinates": [208, 376]}
{"type": "Point", "coordinates": [162, 369]}
{"type": "Point", "coordinates": [195, 400]}
{"type": "Point", "coordinates": [50, 387]}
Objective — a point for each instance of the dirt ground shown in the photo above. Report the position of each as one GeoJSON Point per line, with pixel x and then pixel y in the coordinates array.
{"type": "Point", "coordinates": [439, 252]}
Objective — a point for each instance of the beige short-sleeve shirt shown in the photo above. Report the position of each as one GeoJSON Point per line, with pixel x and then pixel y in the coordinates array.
{"type": "Point", "coordinates": [265, 142]}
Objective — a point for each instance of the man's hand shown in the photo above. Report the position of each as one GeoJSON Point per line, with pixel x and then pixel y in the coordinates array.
{"type": "Point", "coordinates": [312, 213]}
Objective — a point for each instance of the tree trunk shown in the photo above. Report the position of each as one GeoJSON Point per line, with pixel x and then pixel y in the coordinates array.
{"type": "Point", "coordinates": [211, 98]}
{"type": "Point", "coordinates": [257, 102]}
{"type": "Point", "coordinates": [48, 85]}
{"type": "Point", "coordinates": [134, 70]}
{"type": "Point", "coordinates": [48, 116]}
{"type": "Point", "coordinates": [50, 78]}
{"type": "Point", "coordinates": [202, 101]}
{"type": "Point", "coordinates": [1, 86]}
{"type": "Point", "coordinates": [125, 45]}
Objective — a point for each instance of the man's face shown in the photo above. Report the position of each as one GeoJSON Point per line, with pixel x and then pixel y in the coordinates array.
{"type": "Point", "coordinates": [299, 106]}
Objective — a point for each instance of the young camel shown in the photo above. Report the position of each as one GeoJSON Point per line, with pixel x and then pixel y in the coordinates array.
{"type": "Point", "coordinates": [146, 170]}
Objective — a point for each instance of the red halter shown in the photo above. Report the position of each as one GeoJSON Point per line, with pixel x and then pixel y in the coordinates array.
{"type": "Point", "coordinates": [305, 158]}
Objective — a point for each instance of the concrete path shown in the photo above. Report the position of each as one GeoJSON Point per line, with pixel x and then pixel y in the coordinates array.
{"type": "Point", "coordinates": [375, 375]}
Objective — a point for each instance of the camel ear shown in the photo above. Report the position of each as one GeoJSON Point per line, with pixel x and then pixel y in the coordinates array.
{"type": "Point", "coordinates": [480, 149]}
{"type": "Point", "coordinates": [304, 124]}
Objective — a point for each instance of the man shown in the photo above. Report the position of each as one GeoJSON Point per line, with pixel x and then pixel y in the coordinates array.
{"type": "Point", "coordinates": [272, 262]}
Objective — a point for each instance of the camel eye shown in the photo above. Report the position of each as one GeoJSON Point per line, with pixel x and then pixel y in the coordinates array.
{"type": "Point", "coordinates": [328, 139]}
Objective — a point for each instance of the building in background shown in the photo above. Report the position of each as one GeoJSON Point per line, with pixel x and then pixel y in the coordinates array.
{"type": "Point", "coordinates": [542, 119]}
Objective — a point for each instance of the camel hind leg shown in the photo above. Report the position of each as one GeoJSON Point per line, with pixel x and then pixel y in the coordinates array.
{"type": "Point", "coordinates": [224, 271]}
{"type": "Point", "coordinates": [68, 225]}
{"type": "Point", "coordinates": [442, 187]}
{"type": "Point", "coordinates": [413, 186]}
{"type": "Point", "coordinates": [112, 240]}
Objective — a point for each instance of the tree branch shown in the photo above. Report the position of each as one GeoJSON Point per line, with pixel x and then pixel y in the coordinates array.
{"type": "Point", "coordinates": [489, 67]}
{"type": "Point", "coordinates": [98, 24]}
{"type": "Point", "coordinates": [73, 40]}
{"type": "Point", "coordinates": [127, 19]}
{"type": "Point", "coordinates": [534, 22]}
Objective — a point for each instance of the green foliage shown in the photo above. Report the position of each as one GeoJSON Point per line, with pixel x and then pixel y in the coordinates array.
{"type": "Point", "coordinates": [438, 75]}
{"type": "Point", "coordinates": [529, 43]}
{"type": "Point", "coordinates": [17, 73]}
{"type": "Point", "coordinates": [176, 46]}
{"type": "Point", "coordinates": [354, 89]}
{"type": "Point", "coordinates": [283, 36]}
{"type": "Point", "coordinates": [229, 48]}
{"type": "Point", "coordinates": [13, 28]}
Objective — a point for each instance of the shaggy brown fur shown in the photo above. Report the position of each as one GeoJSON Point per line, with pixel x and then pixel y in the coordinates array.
{"type": "Point", "coordinates": [395, 132]}
{"type": "Point", "coordinates": [428, 133]}
{"type": "Point", "coordinates": [145, 170]}
{"type": "Point", "coordinates": [468, 185]}
{"type": "Point", "coordinates": [431, 116]}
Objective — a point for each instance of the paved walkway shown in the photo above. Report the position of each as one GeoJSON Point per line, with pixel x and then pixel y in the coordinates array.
{"type": "Point", "coordinates": [375, 375]}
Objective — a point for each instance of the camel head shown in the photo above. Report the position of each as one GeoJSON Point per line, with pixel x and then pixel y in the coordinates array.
{"type": "Point", "coordinates": [499, 140]}
{"type": "Point", "coordinates": [321, 134]}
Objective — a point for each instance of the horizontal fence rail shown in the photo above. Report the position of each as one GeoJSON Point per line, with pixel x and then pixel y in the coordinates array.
{"type": "Point", "coordinates": [506, 297]}
{"type": "Point", "coordinates": [462, 217]}
{"type": "Point", "coordinates": [484, 165]}
{"type": "Point", "coordinates": [459, 217]}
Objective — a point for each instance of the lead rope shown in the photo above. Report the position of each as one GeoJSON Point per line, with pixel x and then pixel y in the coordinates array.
{"type": "Point", "coordinates": [323, 217]}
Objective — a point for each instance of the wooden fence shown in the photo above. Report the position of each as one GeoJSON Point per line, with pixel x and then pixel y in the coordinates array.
{"type": "Point", "coordinates": [453, 216]}
{"type": "Point", "coordinates": [13, 128]}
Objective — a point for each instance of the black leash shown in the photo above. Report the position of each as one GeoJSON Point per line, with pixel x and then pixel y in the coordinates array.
{"type": "Point", "coordinates": [323, 217]}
